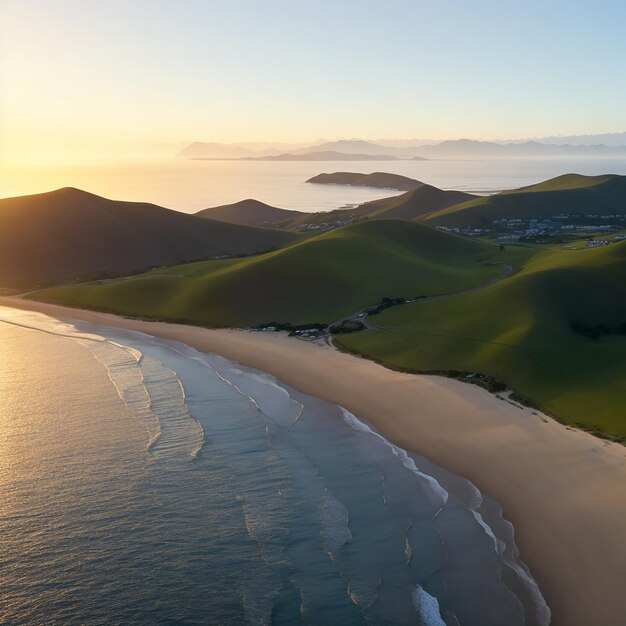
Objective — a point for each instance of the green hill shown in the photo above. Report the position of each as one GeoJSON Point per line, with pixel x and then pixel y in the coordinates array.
{"type": "Point", "coordinates": [70, 233]}
{"type": "Point", "coordinates": [320, 279]}
{"type": "Point", "coordinates": [415, 203]}
{"type": "Point", "coordinates": [410, 205]}
{"type": "Point", "coordinates": [555, 332]}
{"type": "Point", "coordinates": [418, 201]}
{"type": "Point", "coordinates": [252, 213]}
{"type": "Point", "coordinates": [570, 194]}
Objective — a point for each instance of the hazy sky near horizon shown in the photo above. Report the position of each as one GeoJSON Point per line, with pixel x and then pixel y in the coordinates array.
{"type": "Point", "coordinates": [109, 76]}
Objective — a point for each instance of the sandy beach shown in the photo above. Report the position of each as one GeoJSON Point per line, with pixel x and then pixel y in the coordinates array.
{"type": "Point", "coordinates": [564, 490]}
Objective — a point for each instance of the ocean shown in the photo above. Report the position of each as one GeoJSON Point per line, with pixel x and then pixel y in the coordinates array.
{"type": "Point", "coordinates": [189, 186]}
{"type": "Point", "coordinates": [144, 482]}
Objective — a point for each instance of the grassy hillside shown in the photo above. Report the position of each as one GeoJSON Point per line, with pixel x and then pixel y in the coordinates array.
{"type": "Point", "coordinates": [419, 200]}
{"type": "Point", "coordinates": [415, 203]}
{"type": "Point", "coordinates": [571, 194]}
{"type": "Point", "coordinates": [520, 331]}
{"type": "Point", "coordinates": [410, 205]}
{"type": "Point", "coordinates": [568, 194]}
{"type": "Point", "coordinates": [251, 212]}
{"type": "Point", "coordinates": [70, 233]}
{"type": "Point", "coordinates": [317, 280]}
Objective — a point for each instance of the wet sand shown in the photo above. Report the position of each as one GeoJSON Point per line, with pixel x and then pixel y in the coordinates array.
{"type": "Point", "coordinates": [564, 490]}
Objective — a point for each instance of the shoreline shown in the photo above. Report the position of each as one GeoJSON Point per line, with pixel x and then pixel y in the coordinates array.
{"type": "Point", "coordinates": [562, 489]}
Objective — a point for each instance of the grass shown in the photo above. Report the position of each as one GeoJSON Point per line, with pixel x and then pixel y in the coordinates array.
{"type": "Point", "coordinates": [320, 279]}
{"type": "Point", "coordinates": [570, 194]}
{"type": "Point", "coordinates": [518, 331]}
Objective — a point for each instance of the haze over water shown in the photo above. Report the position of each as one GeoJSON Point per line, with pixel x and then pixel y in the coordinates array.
{"type": "Point", "coordinates": [189, 186]}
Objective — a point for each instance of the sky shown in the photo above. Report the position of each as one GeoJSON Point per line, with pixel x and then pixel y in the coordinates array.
{"type": "Point", "coordinates": [108, 76]}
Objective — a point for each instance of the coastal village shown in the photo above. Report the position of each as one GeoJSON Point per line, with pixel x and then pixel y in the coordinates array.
{"type": "Point", "coordinates": [557, 228]}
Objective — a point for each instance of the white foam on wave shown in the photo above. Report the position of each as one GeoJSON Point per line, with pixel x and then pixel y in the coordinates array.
{"type": "Point", "coordinates": [542, 610]}
{"type": "Point", "coordinates": [201, 439]}
{"type": "Point", "coordinates": [225, 371]}
{"type": "Point", "coordinates": [181, 433]}
{"type": "Point", "coordinates": [401, 454]}
{"type": "Point", "coordinates": [200, 358]}
{"type": "Point", "coordinates": [541, 607]}
{"type": "Point", "coordinates": [127, 379]}
{"type": "Point", "coordinates": [335, 518]}
{"type": "Point", "coordinates": [124, 364]}
{"type": "Point", "coordinates": [265, 380]}
{"type": "Point", "coordinates": [136, 354]}
{"type": "Point", "coordinates": [49, 326]}
{"type": "Point", "coordinates": [120, 362]}
{"type": "Point", "coordinates": [427, 608]}
{"type": "Point", "coordinates": [498, 544]}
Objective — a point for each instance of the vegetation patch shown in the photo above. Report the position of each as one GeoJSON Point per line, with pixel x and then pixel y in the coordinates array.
{"type": "Point", "coordinates": [327, 277]}
{"type": "Point", "coordinates": [595, 331]}
{"type": "Point", "coordinates": [517, 331]}
{"type": "Point", "coordinates": [347, 326]}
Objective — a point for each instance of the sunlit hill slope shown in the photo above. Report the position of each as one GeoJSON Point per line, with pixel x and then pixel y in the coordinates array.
{"type": "Point", "coordinates": [555, 332]}
{"type": "Point", "coordinates": [317, 280]}
{"type": "Point", "coordinates": [569, 194]}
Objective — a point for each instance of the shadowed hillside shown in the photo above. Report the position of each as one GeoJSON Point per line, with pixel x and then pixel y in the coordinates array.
{"type": "Point", "coordinates": [415, 203]}
{"type": "Point", "coordinates": [569, 194]}
{"type": "Point", "coordinates": [410, 205]}
{"type": "Point", "coordinates": [70, 233]}
{"type": "Point", "coordinates": [317, 280]}
{"type": "Point", "coordinates": [251, 212]}
{"type": "Point", "coordinates": [378, 180]}
{"type": "Point", "coordinates": [419, 200]}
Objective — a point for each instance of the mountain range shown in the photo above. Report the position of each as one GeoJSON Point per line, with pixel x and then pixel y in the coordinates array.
{"type": "Point", "coordinates": [324, 155]}
{"type": "Point", "coordinates": [590, 146]}
{"type": "Point", "coordinates": [471, 149]}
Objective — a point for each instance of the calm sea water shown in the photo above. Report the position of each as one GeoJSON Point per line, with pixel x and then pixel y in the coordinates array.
{"type": "Point", "coordinates": [193, 185]}
{"type": "Point", "coordinates": [143, 482]}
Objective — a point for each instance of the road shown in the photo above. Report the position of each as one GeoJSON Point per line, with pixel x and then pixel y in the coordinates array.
{"type": "Point", "coordinates": [362, 315]}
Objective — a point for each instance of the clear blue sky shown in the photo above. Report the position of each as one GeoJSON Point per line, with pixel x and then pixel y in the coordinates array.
{"type": "Point", "coordinates": [78, 73]}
